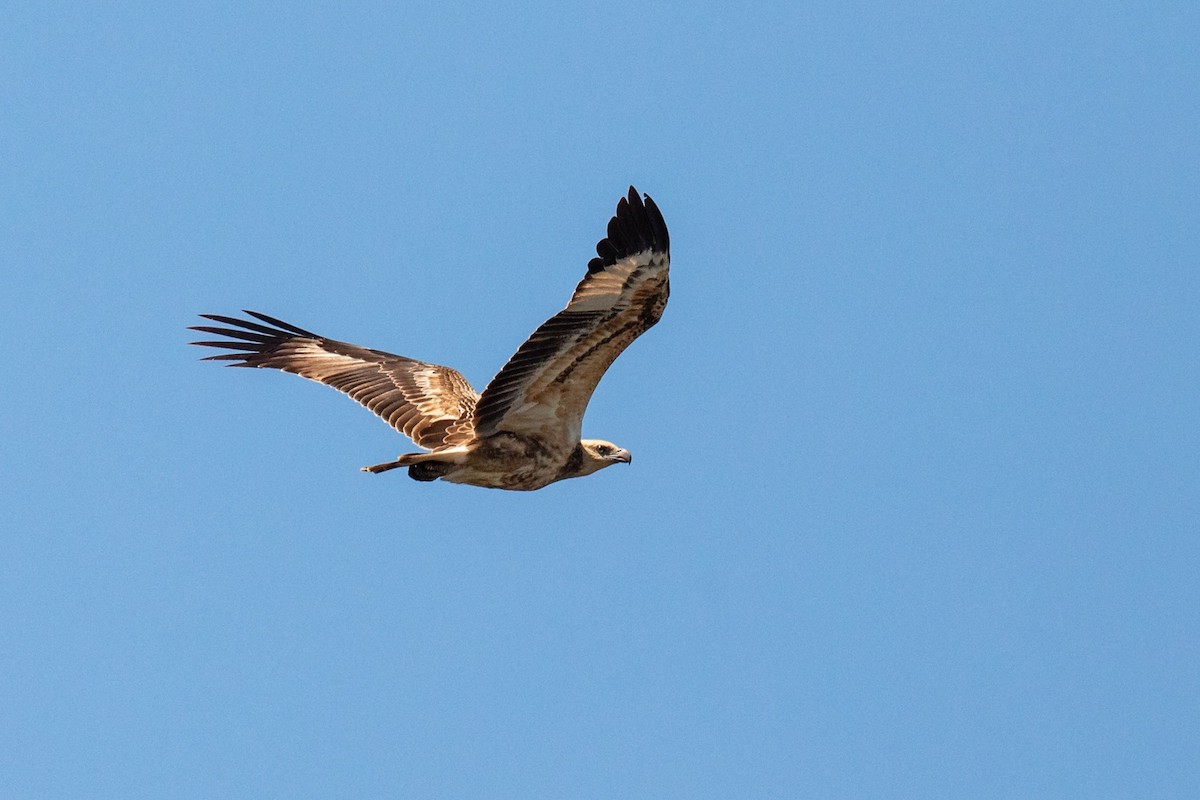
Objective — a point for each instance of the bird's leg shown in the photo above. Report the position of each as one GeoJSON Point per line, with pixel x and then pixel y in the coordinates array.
{"type": "Point", "coordinates": [378, 468]}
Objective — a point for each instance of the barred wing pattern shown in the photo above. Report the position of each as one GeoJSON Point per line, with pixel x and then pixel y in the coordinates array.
{"type": "Point", "coordinates": [431, 404]}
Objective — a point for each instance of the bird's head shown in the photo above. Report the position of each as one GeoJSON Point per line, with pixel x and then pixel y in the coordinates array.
{"type": "Point", "coordinates": [598, 454]}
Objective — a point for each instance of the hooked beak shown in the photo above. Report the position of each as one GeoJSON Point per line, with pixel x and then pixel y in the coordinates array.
{"type": "Point", "coordinates": [624, 456]}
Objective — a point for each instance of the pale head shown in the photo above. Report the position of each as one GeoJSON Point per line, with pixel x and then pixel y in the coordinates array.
{"type": "Point", "coordinates": [598, 454]}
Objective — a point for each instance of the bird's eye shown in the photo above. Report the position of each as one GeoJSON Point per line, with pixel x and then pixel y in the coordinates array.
{"type": "Point", "coordinates": [604, 450]}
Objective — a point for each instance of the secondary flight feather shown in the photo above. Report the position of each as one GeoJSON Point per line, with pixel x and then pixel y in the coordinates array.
{"type": "Point", "coordinates": [524, 431]}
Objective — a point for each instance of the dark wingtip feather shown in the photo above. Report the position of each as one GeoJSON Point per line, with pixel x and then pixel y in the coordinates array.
{"type": "Point", "coordinates": [278, 323]}
{"type": "Point", "coordinates": [227, 345]}
{"type": "Point", "coordinates": [232, 333]}
{"type": "Point", "coordinates": [238, 357]}
{"type": "Point", "coordinates": [253, 339]}
{"type": "Point", "coordinates": [637, 227]}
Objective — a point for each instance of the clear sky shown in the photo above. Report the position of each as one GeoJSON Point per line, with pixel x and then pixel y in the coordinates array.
{"type": "Point", "coordinates": [916, 480]}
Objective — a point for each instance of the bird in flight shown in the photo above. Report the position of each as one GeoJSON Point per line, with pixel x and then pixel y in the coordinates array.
{"type": "Point", "coordinates": [523, 432]}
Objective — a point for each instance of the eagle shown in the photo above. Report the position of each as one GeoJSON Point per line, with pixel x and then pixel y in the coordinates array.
{"type": "Point", "coordinates": [523, 432]}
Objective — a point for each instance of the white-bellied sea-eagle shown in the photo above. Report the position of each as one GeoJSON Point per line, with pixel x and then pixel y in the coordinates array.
{"type": "Point", "coordinates": [523, 431]}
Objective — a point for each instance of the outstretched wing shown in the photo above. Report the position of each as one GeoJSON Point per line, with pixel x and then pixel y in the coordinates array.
{"type": "Point", "coordinates": [545, 387]}
{"type": "Point", "coordinates": [430, 404]}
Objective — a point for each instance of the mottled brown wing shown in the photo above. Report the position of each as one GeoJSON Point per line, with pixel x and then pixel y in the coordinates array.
{"type": "Point", "coordinates": [545, 387]}
{"type": "Point", "coordinates": [431, 404]}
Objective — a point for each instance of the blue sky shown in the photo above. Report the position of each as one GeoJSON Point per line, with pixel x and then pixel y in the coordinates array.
{"type": "Point", "coordinates": [913, 508]}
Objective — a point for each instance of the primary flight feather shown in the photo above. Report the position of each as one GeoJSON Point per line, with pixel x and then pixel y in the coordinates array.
{"type": "Point", "coordinates": [523, 432]}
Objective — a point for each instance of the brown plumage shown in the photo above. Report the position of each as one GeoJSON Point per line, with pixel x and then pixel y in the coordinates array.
{"type": "Point", "coordinates": [523, 431]}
